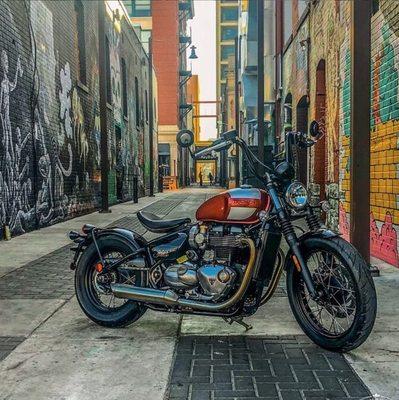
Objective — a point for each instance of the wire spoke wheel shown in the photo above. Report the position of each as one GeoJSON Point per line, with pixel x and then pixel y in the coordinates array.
{"type": "Point", "coordinates": [334, 313]}
{"type": "Point", "coordinates": [100, 288]}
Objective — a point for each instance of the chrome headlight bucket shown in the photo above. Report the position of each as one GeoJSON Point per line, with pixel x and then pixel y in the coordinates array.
{"type": "Point", "coordinates": [296, 195]}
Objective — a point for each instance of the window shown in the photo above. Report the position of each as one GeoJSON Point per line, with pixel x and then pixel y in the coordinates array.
{"type": "Point", "coordinates": [141, 8]}
{"type": "Point", "coordinates": [81, 42]}
{"type": "Point", "coordinates": [229, 14]}
{"type": "Point", "coordinates": [164, 158]}
{"type": "Point", "coordinates": [108, 70]}
{"type": "Point", "coordinates": [226, 51]}
{"type": "Point", "coordinates": [136, 93]}
{"type": "Point", "coordinates": [229, 32]}
{"type": "Point", "coordinates": [146, 106]}
{"type": "Point", "coordinates": [124, 88]}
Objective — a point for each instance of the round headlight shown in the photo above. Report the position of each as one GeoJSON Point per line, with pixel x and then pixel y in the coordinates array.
{"type": "Point", "coordinates": [296, 195]}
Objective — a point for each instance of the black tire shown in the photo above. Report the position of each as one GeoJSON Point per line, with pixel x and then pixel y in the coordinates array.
{"type": "Point", "coordinates": [127, 313]}
{"type": "Point", "coordinates": [364, 300]}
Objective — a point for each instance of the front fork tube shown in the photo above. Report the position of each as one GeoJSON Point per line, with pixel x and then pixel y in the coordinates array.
{"type": "Point", "coordinates": [292, 240]}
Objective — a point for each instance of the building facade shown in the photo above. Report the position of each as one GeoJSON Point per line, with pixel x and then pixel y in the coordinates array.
{"type": "Point", "coordinates": [307, 75]}
{"type": "Point", "coordinates": [316, 84]}
{"type": "Point", "coordinates": [164, 21]}
{"type": "Point", "coordinates": [226, 33]}
{"type": "Point", "coordinates": [50, 147]}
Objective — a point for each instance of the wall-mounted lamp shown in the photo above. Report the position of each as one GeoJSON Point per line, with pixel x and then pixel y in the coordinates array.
{"type": "Point", "coordinates": [304, 43]}
{"type": "Point", "coordinates": [193, 55]}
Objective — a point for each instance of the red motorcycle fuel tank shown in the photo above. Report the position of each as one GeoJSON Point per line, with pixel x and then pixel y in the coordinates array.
{"type": "Point", "coordinates": [235, 206]}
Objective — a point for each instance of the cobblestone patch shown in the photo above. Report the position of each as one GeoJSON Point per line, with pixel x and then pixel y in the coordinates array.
{"type": "Point", "coordinates": [8, 344]}
{"type": "Point", "coordinates": [237, 367]}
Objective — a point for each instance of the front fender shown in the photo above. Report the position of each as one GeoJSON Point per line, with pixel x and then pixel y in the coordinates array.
{"type": "Point", "coordinates": [324, 233]}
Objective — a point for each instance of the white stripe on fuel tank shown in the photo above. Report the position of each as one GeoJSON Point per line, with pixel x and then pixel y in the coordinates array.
{"type": "Point", "coordinates": [240, 213]}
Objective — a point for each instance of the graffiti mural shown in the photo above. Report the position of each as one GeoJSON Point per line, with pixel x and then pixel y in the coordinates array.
{"type": "Point", "coordinates": [115, 64]}
{"type": "Point", "coordinates": [65, 100]}
{"type": "Point", "coordinates": [384, 153]}
{"type": "Point", "coordinates": [15, 184]}
{"type": "Point", "coordinates": [50, 131]}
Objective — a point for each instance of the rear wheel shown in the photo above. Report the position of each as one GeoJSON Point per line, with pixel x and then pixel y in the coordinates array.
{"type": "Point", "coordinates": [93, 287]}
{"type": "Point", "coordinates": [343, 317]}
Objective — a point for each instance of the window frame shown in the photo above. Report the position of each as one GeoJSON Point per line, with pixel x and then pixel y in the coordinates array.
{"type": "Point", "coordinates": [81, 40]}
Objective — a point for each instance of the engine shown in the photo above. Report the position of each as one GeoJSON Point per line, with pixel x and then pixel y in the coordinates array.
{"type": "Point", "coordinates": [211, 265]}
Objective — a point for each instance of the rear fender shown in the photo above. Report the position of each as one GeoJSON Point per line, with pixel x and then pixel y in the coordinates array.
{"type": "Point", "coordinates": [323, 233]}
{"type": "Point", "coordinates": [131, 239]}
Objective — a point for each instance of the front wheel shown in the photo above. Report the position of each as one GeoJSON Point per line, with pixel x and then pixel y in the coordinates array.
{"type": "Point", "coordinates": [343, 317]}
{"type": "Point", "coordinates": [93, 289]}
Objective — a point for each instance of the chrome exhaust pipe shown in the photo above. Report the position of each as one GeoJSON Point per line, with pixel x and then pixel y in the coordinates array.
{"type": "Point", "coordinates": [168, 297]}
{"type": "Point", "coordinates": [145, 295]}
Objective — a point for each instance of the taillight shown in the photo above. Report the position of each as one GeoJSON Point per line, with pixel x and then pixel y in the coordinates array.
{"type": "Point", "coordinates": [87, 228]}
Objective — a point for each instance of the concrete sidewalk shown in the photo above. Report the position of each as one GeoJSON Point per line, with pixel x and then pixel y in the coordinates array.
{"type": "Point", "coordinates": [60, 353]}
{"type": "Point", "coordinates": [51, 350]}
{"type": "Point", "coordinates": [32, 245]}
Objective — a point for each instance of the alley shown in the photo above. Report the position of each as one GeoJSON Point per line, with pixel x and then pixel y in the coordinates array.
{"type": "Point", "coordinates": [50, 350]}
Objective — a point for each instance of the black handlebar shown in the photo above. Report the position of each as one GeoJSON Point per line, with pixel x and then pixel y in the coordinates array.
{"type": "Point", "coordinates": [228, 138]}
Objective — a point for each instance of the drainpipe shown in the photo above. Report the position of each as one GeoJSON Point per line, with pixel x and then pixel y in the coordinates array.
{"type": "Point", "coordinates": [103, 108]}
{"type": "Point", "coordinates": [151, 118]}
{"type": "Point", "coordinates": [278, 68]}
{"type": "Point", "coordinates": [237, 111]}
{"type": "Point", "coordinates": [261, 82]}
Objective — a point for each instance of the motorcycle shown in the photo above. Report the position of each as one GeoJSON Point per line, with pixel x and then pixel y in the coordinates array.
{"type": "Point", "coordinates": [229, 262]}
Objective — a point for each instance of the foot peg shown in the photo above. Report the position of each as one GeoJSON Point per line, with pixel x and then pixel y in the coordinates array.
{"type": "Point", "coordinates": [239, 321]}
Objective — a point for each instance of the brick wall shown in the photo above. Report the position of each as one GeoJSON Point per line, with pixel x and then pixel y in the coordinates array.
{"type": "Point", "coordinates": [329, 33]}
{"type": "Point", "coordinates": [50, 121]}
{"type": "Point", "coordinates": [165, 31]}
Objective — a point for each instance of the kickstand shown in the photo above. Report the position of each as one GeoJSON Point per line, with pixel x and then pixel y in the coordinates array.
{"type": "Point", "coordinates": [239, 321]}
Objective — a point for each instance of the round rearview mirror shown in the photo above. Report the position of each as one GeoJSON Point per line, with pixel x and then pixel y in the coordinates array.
{"type": "Point", "coordinates": [314, 130]}
{"type": "Point", "coordinates": [185, 138]}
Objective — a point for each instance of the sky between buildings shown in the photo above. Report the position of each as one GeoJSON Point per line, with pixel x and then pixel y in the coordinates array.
{"type": "Point", "coordinates": [203, 27]}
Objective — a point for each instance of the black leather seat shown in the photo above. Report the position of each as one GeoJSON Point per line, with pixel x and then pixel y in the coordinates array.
{"type": "Point", "coordinates": [156, 224]}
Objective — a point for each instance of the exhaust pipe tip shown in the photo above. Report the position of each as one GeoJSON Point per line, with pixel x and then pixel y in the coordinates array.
{"type": "Point", "coordinates": [145, 295]}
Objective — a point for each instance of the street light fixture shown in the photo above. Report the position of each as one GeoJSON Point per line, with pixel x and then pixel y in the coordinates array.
{"type": "Point", "coordinates": [193, 55]}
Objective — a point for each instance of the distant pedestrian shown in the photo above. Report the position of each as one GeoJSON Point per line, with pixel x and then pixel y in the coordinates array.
{"type": "Point", "coordinates": [200, 177]}
{"type": "Point", "coordinates": [210, 176]}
